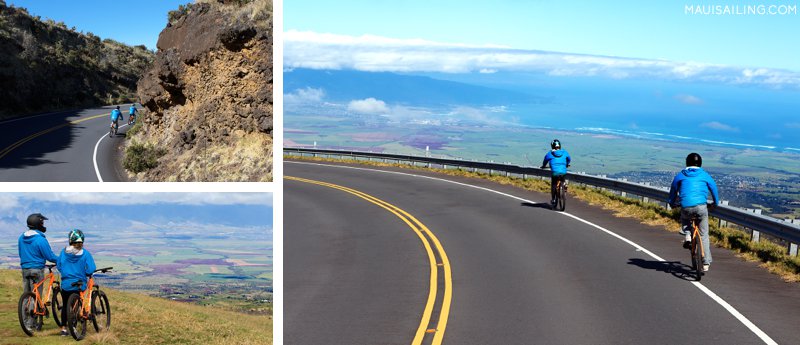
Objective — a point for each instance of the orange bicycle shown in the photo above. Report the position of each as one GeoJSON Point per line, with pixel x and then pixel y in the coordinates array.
{"type": "Point", "coordinates": [32, 307]}
{"type": "Point", "coordinates": [90, 304]}
{"type": "Point", "coordinates": [696, 249]}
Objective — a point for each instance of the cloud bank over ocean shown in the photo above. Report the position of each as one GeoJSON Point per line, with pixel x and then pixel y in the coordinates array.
{"type": "Point", "coordinates": [306, 49]}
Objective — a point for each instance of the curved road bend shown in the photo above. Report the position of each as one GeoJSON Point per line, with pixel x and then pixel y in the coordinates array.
{"type": "Point", "coordinates": [61, 147]}
{"type": "Point", "coordinates": [521, 273]}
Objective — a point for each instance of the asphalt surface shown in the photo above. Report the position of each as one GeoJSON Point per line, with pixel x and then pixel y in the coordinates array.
{"type": "Point", "coordinates": [60, 147]}
{"type": "Point", "coordinates": [522, 274]}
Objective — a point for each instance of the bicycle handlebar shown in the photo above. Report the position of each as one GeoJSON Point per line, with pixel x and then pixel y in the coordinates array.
{"type": "Point", "coordinates": [103, 270]}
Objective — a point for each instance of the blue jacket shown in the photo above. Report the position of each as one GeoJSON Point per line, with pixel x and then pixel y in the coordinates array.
{"type": "Point", "coordinates": [34, 250]}
{"type": "Point", "coordinates": [75, 267]}
{"type": "Point", "coordinates": [115, 114]}
{"type": "Point", "coordinates": [558, 159]}
{"type": "Point", "coordinates": [692, 185]}
{"type": "Point", "coordinates": [132, 111]}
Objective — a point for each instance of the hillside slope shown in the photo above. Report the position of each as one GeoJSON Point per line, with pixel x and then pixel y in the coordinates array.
{"type": "Point", "coordinates": [208, 96]}
{"type": "Point", "coordinates": [46, 66]}
{"type": "Point", "coordinates": [139, 319]}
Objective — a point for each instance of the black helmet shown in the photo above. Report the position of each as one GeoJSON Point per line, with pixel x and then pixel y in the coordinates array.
{"type": "Point", "coordinates": [555, 145]}
{"type": "Point", "coordinates": [694, 160]}
{"type": "Point", "coordinates": [36, 221]}
{"type": "Point", "coordinates": [117, 107]}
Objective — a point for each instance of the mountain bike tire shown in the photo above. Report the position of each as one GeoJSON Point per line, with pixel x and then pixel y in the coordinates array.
{"type": "Point", "coordinates": [101, 311]}
{"type": "Point", "coordinates": [75, 323]}
{"type": "Point", "coordinates": [25, 311]}
{"type": "Point", "coordinates": [697, 257]}
{"type": "Point", "coordinates": [56, 305]}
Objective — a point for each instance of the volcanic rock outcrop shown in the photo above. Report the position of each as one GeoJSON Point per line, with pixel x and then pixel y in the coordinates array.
{"type": "Point", "coordinates": [208, 97]}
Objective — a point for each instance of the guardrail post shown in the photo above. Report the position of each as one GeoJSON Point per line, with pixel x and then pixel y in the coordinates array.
{"type": "Point", "coordinates": [623, 194]}
{"type": "Point", "coordinates": [723, 223]}
{"type": "Point", "coordinates": [792, 249]}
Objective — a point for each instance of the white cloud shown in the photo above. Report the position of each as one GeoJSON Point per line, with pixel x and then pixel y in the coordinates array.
{"type": "Point", "coordinates": [151, 198]}
{"type": "Point", "coordinates": [719, 126]}
{"type": "Point", "coordinates": [8, 201]}
{"type": "Point", "coordinates": [795, 125]}
{"type": "Point", "coordinates": [370, 106]}
{"type": "Point", "coordinates": [306, 95]}
{"type": "Point", "coordinates": [304, 49]}
{"type": "Point", "coordinates": [689, 99]}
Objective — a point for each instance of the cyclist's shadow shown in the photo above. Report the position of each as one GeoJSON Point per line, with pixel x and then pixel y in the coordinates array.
{"type": "Point", "coordinates": [676, 268]}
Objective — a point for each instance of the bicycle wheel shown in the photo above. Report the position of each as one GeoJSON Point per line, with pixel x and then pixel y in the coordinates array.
{"type": "Point", "coordinates": [101, 311]}
{"type": "Point", "coordinates": [28, 320]}
{"type": "Point", "coordinates": [562, 197]}
{"type": "Point", "coordinates": [111, 131]}
{"type": "Point", "coordinates": [75, 323]}
{"type": "Point", "coordinates": [57, 304]}
{"type": "Point", "coordinates": [697, 258]}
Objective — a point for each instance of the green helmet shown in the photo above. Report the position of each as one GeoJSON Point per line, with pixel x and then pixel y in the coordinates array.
{"type": "Point", "coordinates": [75, 236]}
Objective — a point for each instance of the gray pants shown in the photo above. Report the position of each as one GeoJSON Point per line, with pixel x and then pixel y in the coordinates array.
{"type": "Point", "coordinates": [27, 283]}
{"type": "Point", "coordinates": [701, 211]}
{"type": "Point", "coordinates": [32, 276]}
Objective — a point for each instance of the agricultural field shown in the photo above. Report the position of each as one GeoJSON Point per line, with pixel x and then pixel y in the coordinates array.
{"type": "Point", "coordinates": [744, 176]}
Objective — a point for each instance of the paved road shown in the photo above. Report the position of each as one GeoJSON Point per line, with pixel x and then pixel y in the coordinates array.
{"type": "Point", "coordinates": [522, 274]}
{"type": "Point", "coordinates": [61, 147]}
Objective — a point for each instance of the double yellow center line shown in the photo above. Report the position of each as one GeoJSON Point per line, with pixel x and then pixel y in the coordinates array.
{"type": "Point", "coordinates": [24, 140]}
{"type": "Point", "coordinates": [429, 241]}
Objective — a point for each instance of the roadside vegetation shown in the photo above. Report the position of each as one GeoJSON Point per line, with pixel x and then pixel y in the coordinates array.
{"type": "Point", "coordinates": [46, 65]}
{"type": "Point", "coordinates": [141, 157]}
{"type": "Point", "coordinates": [771, 256]}
{"type": "Point", "coordinates": [140, 319]}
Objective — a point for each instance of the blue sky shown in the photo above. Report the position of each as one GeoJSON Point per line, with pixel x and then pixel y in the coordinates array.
{"type": "Point", "coordinates": [655, 29]}
{"type": "Point", "coordinates": [131, 22]}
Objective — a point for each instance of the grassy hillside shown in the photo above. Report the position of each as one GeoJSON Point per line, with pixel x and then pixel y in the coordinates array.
{"type": "Point", "coordinates": [45, 65]}
{"type": "Point", "coordinates": [139, 319]}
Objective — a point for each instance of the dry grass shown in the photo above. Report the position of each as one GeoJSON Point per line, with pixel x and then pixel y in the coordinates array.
{"type": "Point", "coordinates": [249, 158]}
{"type": "Point", "coordinates": [771, 256]}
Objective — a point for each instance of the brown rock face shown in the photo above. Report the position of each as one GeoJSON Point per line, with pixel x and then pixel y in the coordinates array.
{"type": "Point", "coordinates": [208, 95]}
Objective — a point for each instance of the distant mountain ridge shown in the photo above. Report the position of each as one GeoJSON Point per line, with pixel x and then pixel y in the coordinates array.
{"type": "Point", "coordinates": [345, 85]}
{"type": "Point", "coordinates": [46, 66]}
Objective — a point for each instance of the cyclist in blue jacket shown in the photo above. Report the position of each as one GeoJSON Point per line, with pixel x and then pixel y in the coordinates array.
{"type": "Point", "coordinates": [559, 161]}
{"type": "Point", "coordinates": [34, 251]}
{"type": "Point", "coordinates": [691, 186]}
{"type": "Point", "coordinates": [132, 112]}
{"type": "Point", "coordinates": [116, 115]}
{"type": "Point", "coordinates": [75, 265]}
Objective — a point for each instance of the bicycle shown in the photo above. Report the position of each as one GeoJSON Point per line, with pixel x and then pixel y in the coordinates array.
{"type": "Point", "coordinates": [131, 119]}
{"type": "Point", "coordinates": [561, 195]}
{"type": "Point", "coordinates": [696, 249]}
{"type": "Point", "coordinates": [32, 308]}
{"type": "Point", "coordinates": [90, 304]}
{"type": "Point", "coordinates": [113, 130]}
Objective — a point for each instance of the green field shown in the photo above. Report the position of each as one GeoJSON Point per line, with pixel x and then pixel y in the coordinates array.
{"type": "Point", "coordinates": [745, 177]}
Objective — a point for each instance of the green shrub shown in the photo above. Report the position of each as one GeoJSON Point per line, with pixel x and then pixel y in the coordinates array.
{"type": "Point", "coordinates": [141, 157]}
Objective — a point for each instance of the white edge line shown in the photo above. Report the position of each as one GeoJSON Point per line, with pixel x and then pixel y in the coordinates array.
{"type": "Point", "coordinates": [747, 323]}
{"type": "Point", "coordinates": [94, 156]}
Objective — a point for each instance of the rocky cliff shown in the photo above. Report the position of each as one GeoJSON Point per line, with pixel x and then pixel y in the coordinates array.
{"type": "Point", "coordinates": [45, 66]}
{"type": "Point", "coordinates": [208, 97]}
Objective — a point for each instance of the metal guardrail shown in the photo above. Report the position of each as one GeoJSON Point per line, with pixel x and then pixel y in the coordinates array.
{"type": "Point", "coordinates": [755, 222]}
